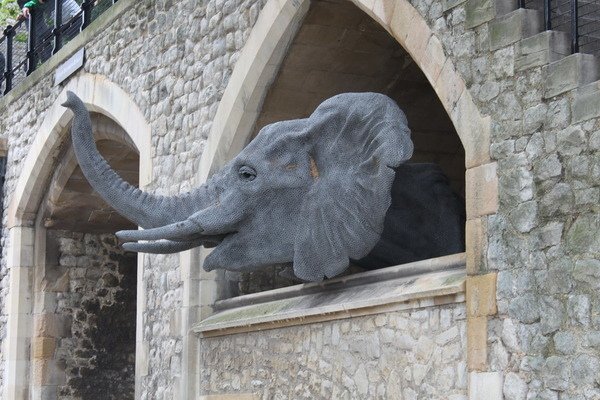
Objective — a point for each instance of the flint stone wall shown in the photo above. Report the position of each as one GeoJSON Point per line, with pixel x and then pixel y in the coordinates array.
{"type": "Point", "coordinates": [97, 295]}
{"type": "Point", "coordinates": [400, 355]}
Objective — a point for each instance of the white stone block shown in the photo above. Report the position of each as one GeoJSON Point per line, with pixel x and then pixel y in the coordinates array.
{"type": "Point", "coordinates": [485, 386]}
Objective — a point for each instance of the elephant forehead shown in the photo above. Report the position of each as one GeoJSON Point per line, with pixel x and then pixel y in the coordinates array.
{"type": "Point", "coordinates": [279, 139]}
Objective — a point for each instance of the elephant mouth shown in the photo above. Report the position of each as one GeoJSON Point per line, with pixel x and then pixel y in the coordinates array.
{"type": "Point", "coordinates": [215, 240]}
{"type": "Point", "coordinates": [135, 241]}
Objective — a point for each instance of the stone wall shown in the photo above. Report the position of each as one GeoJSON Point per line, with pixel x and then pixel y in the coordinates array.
{"type": "Point", "coordinates": [543, 241]}
{"type": "Point", "coordinates": [541, 246]}
{"type": "Point", "coordinates": [96, 292]}
{"type": "Point", "coordinates": [417, 354]}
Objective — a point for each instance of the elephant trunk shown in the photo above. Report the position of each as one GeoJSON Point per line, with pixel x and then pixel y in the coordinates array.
{"type": "Point", "coordinates": [142, 208]}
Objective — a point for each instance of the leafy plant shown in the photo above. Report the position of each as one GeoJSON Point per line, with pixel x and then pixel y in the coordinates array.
{"type": "Point", "coordinates": [9, 10]}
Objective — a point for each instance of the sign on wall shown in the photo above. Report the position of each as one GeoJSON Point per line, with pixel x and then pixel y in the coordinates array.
{"type": "Point", "coordinates": [69, 67]}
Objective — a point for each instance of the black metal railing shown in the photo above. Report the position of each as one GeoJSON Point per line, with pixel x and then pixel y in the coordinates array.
{"type": "Point", "coordinates": [579, 18]}
{"type": "Point", "coordinates": [25, 45]}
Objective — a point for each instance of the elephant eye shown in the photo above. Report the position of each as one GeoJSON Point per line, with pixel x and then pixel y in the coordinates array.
{"type": "Point", "coordinates": [247, 173]}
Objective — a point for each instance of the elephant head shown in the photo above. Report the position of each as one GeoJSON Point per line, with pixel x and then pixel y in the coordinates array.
{"type": "Point", "coordinates": [310, 191]}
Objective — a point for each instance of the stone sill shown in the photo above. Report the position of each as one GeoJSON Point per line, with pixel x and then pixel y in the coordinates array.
{"type": "Point", "coordinates": [420, 284]}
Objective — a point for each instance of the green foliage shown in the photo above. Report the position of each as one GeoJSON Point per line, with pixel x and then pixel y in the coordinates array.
{"type": "Point", "coordinates": [9, 9]}
{"type": "Point", "coordinates": [21, 37]}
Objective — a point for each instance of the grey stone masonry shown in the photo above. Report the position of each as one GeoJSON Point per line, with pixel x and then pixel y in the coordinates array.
{"type": "Point", "coordinates": [418, 354]}
{"type": "Point", "coordinates": [512, 27]}
{"type": "Point", "coordinates": [542, 49]}
{"type": "Point", "coordinates": [481, 11]}
{"type": "Point", "coordinates": [543, 240]}
{"type": "Point", "coordinates": [97, 294]}
{"type": "Point", "coordinates": [175, 59]}
{"type": "Point", "coordinates": [586, 104]}
{"type": "Point", "coordinates": [569, 73]}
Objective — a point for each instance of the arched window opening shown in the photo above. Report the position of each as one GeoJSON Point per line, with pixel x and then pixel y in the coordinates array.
{"type": "Point", "coordinates": [341, 49]}
{"type": "Point", "coordinates": [87, 286]}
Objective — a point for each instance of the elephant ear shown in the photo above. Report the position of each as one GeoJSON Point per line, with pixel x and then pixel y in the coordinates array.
{"type": "Point", "coordinates": [354, 142]}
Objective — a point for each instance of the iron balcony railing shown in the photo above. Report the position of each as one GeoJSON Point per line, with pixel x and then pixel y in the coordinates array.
{"type": "Point", "coordinates": [579, 18]}
{"type": "Point", "coordinates": [25, 45]}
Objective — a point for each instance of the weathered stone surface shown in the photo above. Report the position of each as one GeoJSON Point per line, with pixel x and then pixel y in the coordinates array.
{"type": "Point", "coordinates": [177, 72]}
{"type": "Point", "coordinates": [481, 295]}
{"type": "Point", "coordinates": [482, 190]}
{"type": "Point", "coordinates": [534, 117]}
{"type": "Point", "coordinates": [515, 387]}
{"type": "Point", "coordinates": [485, 385]}
{"type": "Point", "coordinates": [582, 236]}
{"type": "Point", "coordinates": [587, 272]}
{"type": "Point", "coordinates": [552, 314]}
{"type": "Point", "coordinates": [479, 11]}
{"type": "Point", "coordinates": [98, 349]}
{"type": "Point", "coordinates": [556, 373]}
{"type": "Point", "coordinates": [476, 245]}
{"type": "Point", "coordinates": [541, 49]}
{"type": "Point", "coordinates": [477, 343]}
{"type": "Point", "coordinates": [513, 27]}
{"type": "Point", "coordinates": [571, 141]}
{"type": "Point", "coordinates": [569, 73]}
{"type": "Point", "coordinates": [585, 369]}
{"type": "Point", "coordinates": [307, 362]}
{"type": "Point", "coordinates": [548, 167]}
{"type": "Point", "coordinates": [586, 105]}
{"type": "Point", "coordinates": [525, 308]}
{"type": "Point", "coordinates": [565, 342]}
{"type": "Point", "coordinates": [524, 216]}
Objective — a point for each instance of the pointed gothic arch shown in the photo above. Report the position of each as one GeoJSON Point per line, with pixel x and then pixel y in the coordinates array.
{"type": "Point", "coordinates": [258, 66]}
{"type": "Point", "coordinates": [26, 235]}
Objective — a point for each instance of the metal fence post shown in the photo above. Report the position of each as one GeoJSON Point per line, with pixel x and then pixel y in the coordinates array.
{"type": "Point", "coordinates": [57, 31]}
{"type": "Point", "coordinates": [9, 32]}
{"type": "Point", "coordinates": [87, 7]}
{"type": "Point", "coordinates": [548, 14]}
{"type": "Point", "coordinates": [32, 56]}
{"type": "Point", "coordinates": [574, 26]}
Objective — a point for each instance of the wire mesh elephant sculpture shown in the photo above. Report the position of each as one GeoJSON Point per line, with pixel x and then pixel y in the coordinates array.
{"type": "Point", "coordinates": [317, 192]}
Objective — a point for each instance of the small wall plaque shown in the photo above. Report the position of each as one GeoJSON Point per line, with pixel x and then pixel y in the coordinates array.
{"type": "Point", "coordinates": [69, 67]}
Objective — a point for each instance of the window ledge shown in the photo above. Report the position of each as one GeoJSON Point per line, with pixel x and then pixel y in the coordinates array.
{"type": "Point", "coordinates": [424, 283]}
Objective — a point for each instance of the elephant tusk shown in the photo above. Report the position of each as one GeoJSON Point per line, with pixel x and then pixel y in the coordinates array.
{"type": "Point", "coordinates": [161, 246]}
{"type": "Point", "coordinates": [178, 231]}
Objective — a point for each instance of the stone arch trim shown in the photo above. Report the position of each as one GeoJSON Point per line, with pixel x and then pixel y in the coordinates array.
{"type": "Point", "coordinates": [411, 31]}
{"type": "Point", "coordinates": [254, 71]}
{"type": "Point", "coordinates": [66, 166]}
{"type": "Point", "coordinates": [27, 243]}
{"type": "Point", "coordinates": [259, 61]}
{"type": "Point", "coordinates": [100, 95]}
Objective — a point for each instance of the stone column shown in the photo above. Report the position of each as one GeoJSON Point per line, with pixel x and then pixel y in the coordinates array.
{"type": "Point", "coordinates": [21, 265]}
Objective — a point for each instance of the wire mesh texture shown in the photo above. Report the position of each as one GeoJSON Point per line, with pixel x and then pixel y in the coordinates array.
{"type": "Point", "coordinates": [32, 41]}
{"type": "Point", "coordinates": [19, 54]}
{"type": "Point", "coordinates": [578, 18]}
{"type": "Point", "coordinates": [589, 26]}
